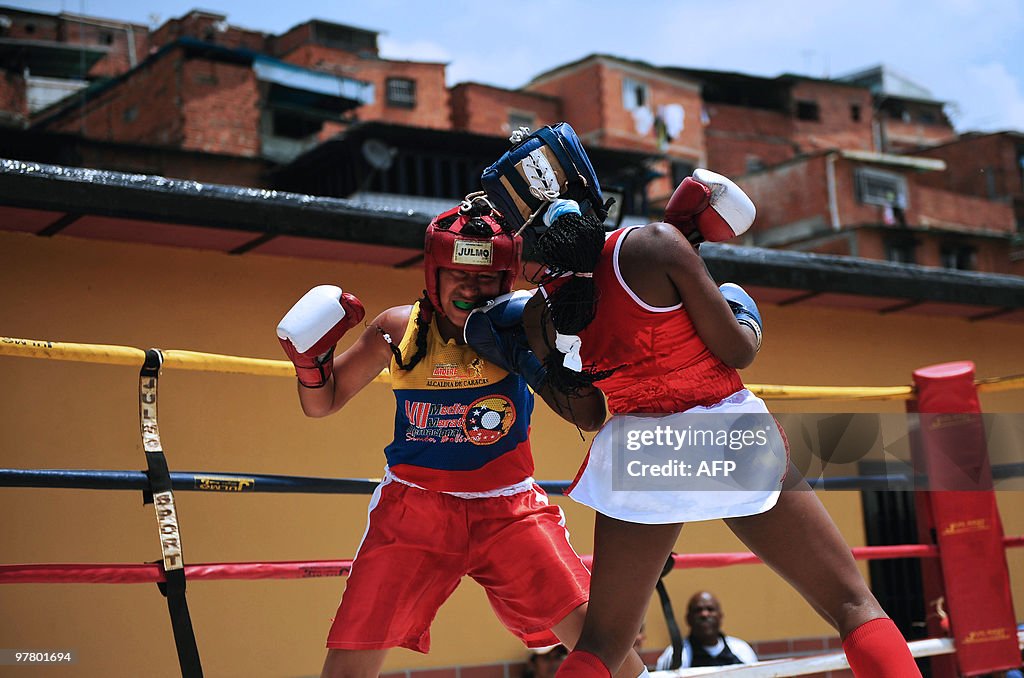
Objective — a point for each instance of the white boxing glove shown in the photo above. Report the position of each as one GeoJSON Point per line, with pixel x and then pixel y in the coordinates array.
{"type": "Point", "coordinates": [311, 329]}
{"type": "Point", "coordinates": [709, 206]}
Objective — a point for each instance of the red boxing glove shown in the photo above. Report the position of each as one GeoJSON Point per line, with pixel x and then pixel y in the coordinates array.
{"type": "Point", "coordinates": [311, 329]}
{"type": "Point", "coordinates": [709, 206]}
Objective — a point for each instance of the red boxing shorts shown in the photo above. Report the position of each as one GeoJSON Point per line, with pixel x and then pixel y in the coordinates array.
{"type": "Point", "coordinates": [419, 544]}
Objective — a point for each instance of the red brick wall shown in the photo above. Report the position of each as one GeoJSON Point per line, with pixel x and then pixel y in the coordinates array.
{"type": "Point", "coordinates": [202, 26]}
{"type": "Point", "coordinates": [284, 44]}
{"type": "Point", "coordinates": [735, 134]}
{"type": "Point", "coordinates": [218, 113]}
{"type": "Point", "coordinates": [934, 207]}
{"type": "Point", "coordinates": [485, 110]}
{"type": "Point", "coordinates": [926, 206]}
{"type": "Point", "coordinates": [118, 61]}
{"type": "Point", "coordinates": [74, 32]}
{"type": "Point", "coordinates": [592, 102]}
{"type": "Point", "coordinates": [583, 98]}
{"type": "Point", "coordinates": [908, 125]}
{"type": "Point", "coordinates": [620, 128]}
{"type": "Point", "coordinates": [126, 111]}
{"type": "Point", "coordinates": [798, 192]}
{"type": "Point", "coordinates": [836, 128]}
{"type": "Point", "coordinates": [990, 255]}
{"type": "Point", "coordinates": [787, 194]}
{"type": "Point", "coordinates": [13, 99]}
{"type": "Point", "coordinates": [32, 26]}
{"type": "Point", "coordinates": [903, 136]}
{"type": "Point", "coordinates": [221, 108]}
{"type": "Point", "coordinates": [432, 106]}
{"type": "Point", "coordinates": [970, 162]}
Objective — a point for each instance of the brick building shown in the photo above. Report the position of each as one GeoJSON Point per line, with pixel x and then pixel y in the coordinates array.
{"type": "Point", "coordinates": [989, 166]}
{"type": "Point", "coordinates": [906, 115]}
{"type": "Point", "coordinates": [485, 109]}
{"type": "Point", "coordinates": [880, 206]}
{"type": "Point", "coordinates": [45, 57]}
{"type": "Point", "coordinates": [631, 105]}
{"type": "Point", "coordinates": [751, 123]}
{"type": "Point", "coordinates": [846, 166]}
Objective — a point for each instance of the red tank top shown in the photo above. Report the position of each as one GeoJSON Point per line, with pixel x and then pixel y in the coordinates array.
{"type": "Point", "coordinates": [660, 363]}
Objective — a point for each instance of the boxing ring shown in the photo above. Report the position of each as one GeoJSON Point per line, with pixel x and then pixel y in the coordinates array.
{"type": "Point", "coordinates": [977, 640]}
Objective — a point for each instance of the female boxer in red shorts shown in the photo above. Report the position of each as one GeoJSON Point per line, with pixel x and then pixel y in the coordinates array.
{"type": "Point", "coordinates": [657, 336]}
{"type": "Point", "coordinates": [458, 497]}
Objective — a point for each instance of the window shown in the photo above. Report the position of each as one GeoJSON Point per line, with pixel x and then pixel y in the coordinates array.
{"type": "Point", "coordinates": [875, 187]}
{"type": "Point", "coordinates": [634, 94]}
{"type": "Point", "coordinates": [401, 92]}
{"type": "Point", "coordinates": [901, 250]}
{"type": "Point", "coordinates": [808, 110]}
{"type": "Point", "coordinates": [958, 256]}
{"type": "Point", "coordinates": [517, 120]}
{"type": "Point", "coordinates": [855, 112]}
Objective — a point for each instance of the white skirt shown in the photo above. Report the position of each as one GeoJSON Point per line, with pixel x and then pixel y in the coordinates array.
{"type": "Point", "coordinates": [723, 461]}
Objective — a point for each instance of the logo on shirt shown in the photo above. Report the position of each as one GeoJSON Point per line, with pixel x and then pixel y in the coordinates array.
{"type": "Point", "coordinates": [455, 375]}
{"type": "Point", "coordinates": [486, 421]}
{"type": "Point", "coordinates": [489, 419]}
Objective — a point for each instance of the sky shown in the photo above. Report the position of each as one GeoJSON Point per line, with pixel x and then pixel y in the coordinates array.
{"type": "Point", "coordinates": [968, 53]}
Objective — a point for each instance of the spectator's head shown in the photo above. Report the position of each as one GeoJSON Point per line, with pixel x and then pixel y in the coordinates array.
{"type": "Point", "coordinates": [704, 617]}
{"type": "Point", "coordinates": [544, 661]}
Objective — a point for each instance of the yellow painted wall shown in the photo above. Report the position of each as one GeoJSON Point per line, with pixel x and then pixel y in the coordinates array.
{"type": "Point", "coordinates": [71, 415]}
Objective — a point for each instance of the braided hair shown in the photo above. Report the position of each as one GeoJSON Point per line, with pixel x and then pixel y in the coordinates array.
{"type": "Point", "coordinates": [424, 314]}
{"type": "Point", "coordinates": [571, 246]}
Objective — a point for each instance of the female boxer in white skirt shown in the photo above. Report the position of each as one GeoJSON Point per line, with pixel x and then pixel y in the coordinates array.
{"type": "Point", "coordinates": [658, 337]}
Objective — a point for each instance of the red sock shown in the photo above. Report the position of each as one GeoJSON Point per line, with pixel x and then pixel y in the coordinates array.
{"type": "Point", "coordinates": [582, 664]}
{"type": "Point", "coordinates": [876, 649]}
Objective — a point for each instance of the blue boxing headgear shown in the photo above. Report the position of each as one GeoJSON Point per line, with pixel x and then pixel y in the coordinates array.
{"type": "Point", "coordinates": [545, 165]}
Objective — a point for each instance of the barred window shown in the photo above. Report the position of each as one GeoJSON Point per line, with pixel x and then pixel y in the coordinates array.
{"type": "Point", "coordinates": [875, 187]}
{"type": "Point", "coordinates": [401, 92]}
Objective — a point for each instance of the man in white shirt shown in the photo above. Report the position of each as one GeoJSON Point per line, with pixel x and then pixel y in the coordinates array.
{"type": "Point", "coordinates": [707, 645]}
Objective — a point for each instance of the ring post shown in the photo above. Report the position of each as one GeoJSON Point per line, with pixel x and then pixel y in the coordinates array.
{"type": "Point", "coordinates": [962, 518]}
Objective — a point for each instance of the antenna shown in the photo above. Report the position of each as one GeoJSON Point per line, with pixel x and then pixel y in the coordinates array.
{"type": "Point", "coordinates": [379, 154]}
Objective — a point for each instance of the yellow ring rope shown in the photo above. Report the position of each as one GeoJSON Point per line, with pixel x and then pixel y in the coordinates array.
{"type": "Point", "coordinates": [213, 362]}
{"type": "Point", "coordinates": [173, 359]}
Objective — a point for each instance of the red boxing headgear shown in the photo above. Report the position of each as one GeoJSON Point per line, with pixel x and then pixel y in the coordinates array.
{"type": "Point", "coordinates": [458, 239]}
